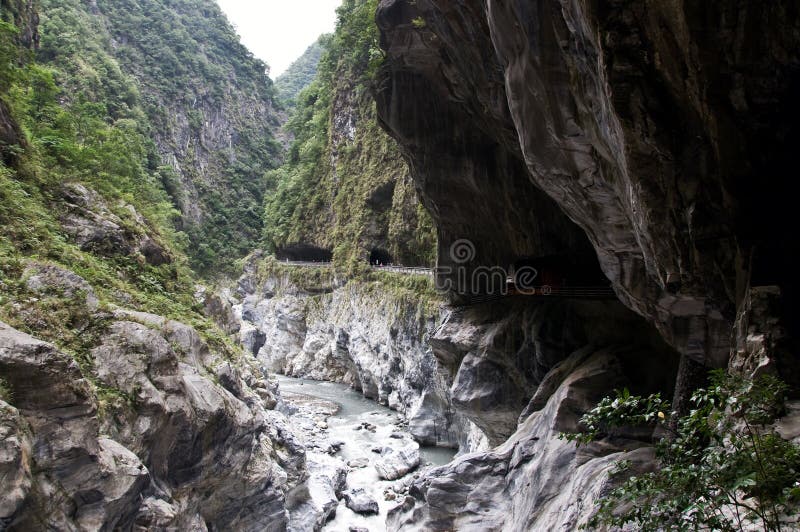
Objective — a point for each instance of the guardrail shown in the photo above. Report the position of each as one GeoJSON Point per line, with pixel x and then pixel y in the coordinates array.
{"type": "Point", "coordinates": [405, 270]}
{"type": "Point", "coordinates": [575, 292]}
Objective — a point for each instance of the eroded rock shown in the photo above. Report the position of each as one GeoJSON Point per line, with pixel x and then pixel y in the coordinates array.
{"type": "Point", "coordinates": [360, 501]}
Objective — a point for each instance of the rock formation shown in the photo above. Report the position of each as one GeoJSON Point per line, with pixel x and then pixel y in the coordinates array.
{"type": "Point", "coordinates": [175, 449]}
{"type": "Point", "coordinates": [657, 135]}
{"type": "Point", "coordinates": [651, 126]}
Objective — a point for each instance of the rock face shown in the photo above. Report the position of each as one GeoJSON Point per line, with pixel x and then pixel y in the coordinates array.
{"type": "Point", "coordinates": [155, 442]}
{"type": "Point", "coordinates": [652, 127]}
{"type": "Point", "coordinates": [534, 481]}
{"type": "Point", "coordinates": [398, 459]}
{"type": "Point", "coordinates": [657, 135]}
{"type": "Point", "coordinates": [374, 341]}
{"type": "Point", "coordinates": [94, 226]}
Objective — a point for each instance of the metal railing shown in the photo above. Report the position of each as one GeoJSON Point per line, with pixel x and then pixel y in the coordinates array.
{"type": "Point", "coordinates": [405, 270]}
{"type": "Point", "coordinates": [575, 292]}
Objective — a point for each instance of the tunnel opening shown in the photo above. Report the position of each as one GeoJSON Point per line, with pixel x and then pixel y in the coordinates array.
{"type": "Point", "coordinates": [304, 253]}
{"type": "Point", "coordinates": [380, 257]}
{"type": "Point", "coordinates": [566, 270]}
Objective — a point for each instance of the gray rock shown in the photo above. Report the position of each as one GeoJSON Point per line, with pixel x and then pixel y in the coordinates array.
{"type": "Point", "coordinates": [534, 481]}
{"type": "Point", "coordinates": [358, 463]}
{"type": "Point", "coordinates": [91, 224]}
{"type": "Point", "coordinates": [397, 459]}
{"type": "Point", "coordinates": [361, 502]}
{"type": "Point", "coordinates": [15, 448]}
{"type": "Point", "coordinates": [51, 279]}
{"type": "Point", "coordinates": [660, 223]}
{"type": "Point", "coordinates": [232, 461]}
{"type": "Point", "coordinates": [68, 455]}
{"type": "Point", "coordinates": [327, 478]}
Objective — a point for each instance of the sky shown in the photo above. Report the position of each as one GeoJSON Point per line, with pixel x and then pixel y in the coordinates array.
{"type": "Point", "coordinates": [279, 31]}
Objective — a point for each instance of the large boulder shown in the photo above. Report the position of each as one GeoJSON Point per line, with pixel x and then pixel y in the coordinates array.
{"type": "Point", "coordinates": [361, 502]}
{"type": "Point", "coordinates": [397, 458]}
{"type": "Point", "coordinates": [535, 480]}
{"type": "Point", "coordinates": [94, 226]}
{"type": "Point", "coordinates": [80, 479]}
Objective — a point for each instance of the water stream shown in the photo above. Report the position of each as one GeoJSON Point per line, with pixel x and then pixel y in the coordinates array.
{"type": "Point", "coordinates": [346, 426]}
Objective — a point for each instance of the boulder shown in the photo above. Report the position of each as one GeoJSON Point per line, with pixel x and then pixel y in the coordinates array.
{"type": "Point", "coordinates": [361, 502]}
{"type": "Point", "coordinates": [397, 458]}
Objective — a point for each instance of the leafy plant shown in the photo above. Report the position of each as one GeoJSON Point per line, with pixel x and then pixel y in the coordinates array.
{"type": "Point", "coordinates": [5, 391]}
{"type": "Point", "coordinates": [722, 467]}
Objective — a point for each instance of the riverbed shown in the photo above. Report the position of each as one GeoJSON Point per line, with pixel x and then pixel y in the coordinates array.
{"type": "Point", "coordinates": [362, 426]}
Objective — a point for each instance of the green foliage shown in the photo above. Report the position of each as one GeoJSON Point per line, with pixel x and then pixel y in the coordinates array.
{"type": "Point", "coordinates": [622, 410]}
{"type": "Point", "coordinates": [87, 131]}
{"type": "Point", "coordinates": [9, 54]}
{"type": "Point", "coordinates": [172, 70]}
{"type": "Point", "coordinates": [722, 467]}
{"type": "Point", "coordinates": [301, 73]}
{"type": "Point", "coordinates": [345, 185]}
{"type": "Point", "coordinates": [5, 391]}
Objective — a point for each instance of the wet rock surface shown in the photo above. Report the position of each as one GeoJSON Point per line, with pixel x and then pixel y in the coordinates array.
{"type": "Point", "coordinates": [361, 502]}
{"type": "Point", "coordinates": [344, 486]}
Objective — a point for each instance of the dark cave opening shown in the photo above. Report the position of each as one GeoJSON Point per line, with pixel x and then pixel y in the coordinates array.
{"type": "Point", "coordinates": [304, 253]}
{"type": "Point", "coordinates": [380, 257]}
{"type": "Point", "coordinates": [573, 269]}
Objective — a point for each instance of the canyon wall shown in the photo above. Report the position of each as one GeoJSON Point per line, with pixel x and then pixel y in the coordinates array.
{"type": "Point", "coordinates": [499, 380]}
{"type": "Point", "coordinates": [657, 135]}
{"type": "Point", "coordinates": [662, 131]}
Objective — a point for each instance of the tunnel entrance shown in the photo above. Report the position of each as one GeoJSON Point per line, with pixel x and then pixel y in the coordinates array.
{"type": "Point", "coordinates": [561, 271]}
{"type": "Point", "coordinates": [380, 257]}
{"type": "Point", "coordinates": [304, 253]}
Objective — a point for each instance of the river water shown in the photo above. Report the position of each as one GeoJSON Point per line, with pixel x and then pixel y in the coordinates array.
{"type": "Point", "coordinates": [355, 410]}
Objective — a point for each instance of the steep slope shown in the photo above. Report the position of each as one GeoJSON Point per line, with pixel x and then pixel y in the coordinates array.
{"type": "Point", "coordinates": [121, 405]}
{"type": "Point", "coordinates": [208, 101]}
{"type": "Point", "coordinates": [659, 134]}
{"type": "Point", "coordinates": [345, 188]}
{"type": "Point", "coordinates": [301, 73]}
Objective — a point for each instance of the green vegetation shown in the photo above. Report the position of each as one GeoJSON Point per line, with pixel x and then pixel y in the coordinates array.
{"type": "Point", "coordinates": [200, 102]}
{"type": "Point", "coordinates": [5, 391]}
{"type": "Point", "coordinates": [345, 186]}
{"type": "Point", "coordinates": [301, 73]}
{"type": "Point", "coordinates": [64, 126]}
{"type": "Point", "coordinates": [721, 467]}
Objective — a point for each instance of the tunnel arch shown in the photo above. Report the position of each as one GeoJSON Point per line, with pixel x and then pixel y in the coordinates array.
{"type": "Point", "coordinates": [379, 256]}
{"type": "Point", "coordinates": [304, 253]}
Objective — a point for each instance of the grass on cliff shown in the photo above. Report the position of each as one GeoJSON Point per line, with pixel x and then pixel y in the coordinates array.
{"type": "Point", "coordinates": [345, 186]}
{"type": "Point", "coordinates": [60, 140]}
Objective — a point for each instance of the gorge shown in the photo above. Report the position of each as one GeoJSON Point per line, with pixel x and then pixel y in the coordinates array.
{"type": "Point", "coordinates": [204, 324]}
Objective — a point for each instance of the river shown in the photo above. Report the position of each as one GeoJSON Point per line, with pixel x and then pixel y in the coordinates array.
{"type": "Point", "coordinates": [346, 425]}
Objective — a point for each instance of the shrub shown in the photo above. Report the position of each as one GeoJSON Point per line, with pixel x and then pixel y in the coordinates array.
{"type": "Point", "coordinates": [720, 467]}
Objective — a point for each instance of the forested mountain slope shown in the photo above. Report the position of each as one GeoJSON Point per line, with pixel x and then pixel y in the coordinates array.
{"type": "Point", "coordinates": [121, 405]}
{"type": "Point", "coordinates": [345, 187]}
{"type": "Point", "coordinates": [178, 72]}
{"type": "Point", "coordinates": [301, 73]}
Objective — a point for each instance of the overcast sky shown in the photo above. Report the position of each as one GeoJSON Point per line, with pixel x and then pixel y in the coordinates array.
{"type": "Point", "coordinates": [279, 31]}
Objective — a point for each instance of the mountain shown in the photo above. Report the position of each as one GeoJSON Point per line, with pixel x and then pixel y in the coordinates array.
{"type": "Point", "coordinates": [345, 189]}
{"type": "Point", "coordinates": [301, 73]}
{"type": "Point", "coordinates": [203, 101]}
{"type": "Point", "coordinates": [122, 406]}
